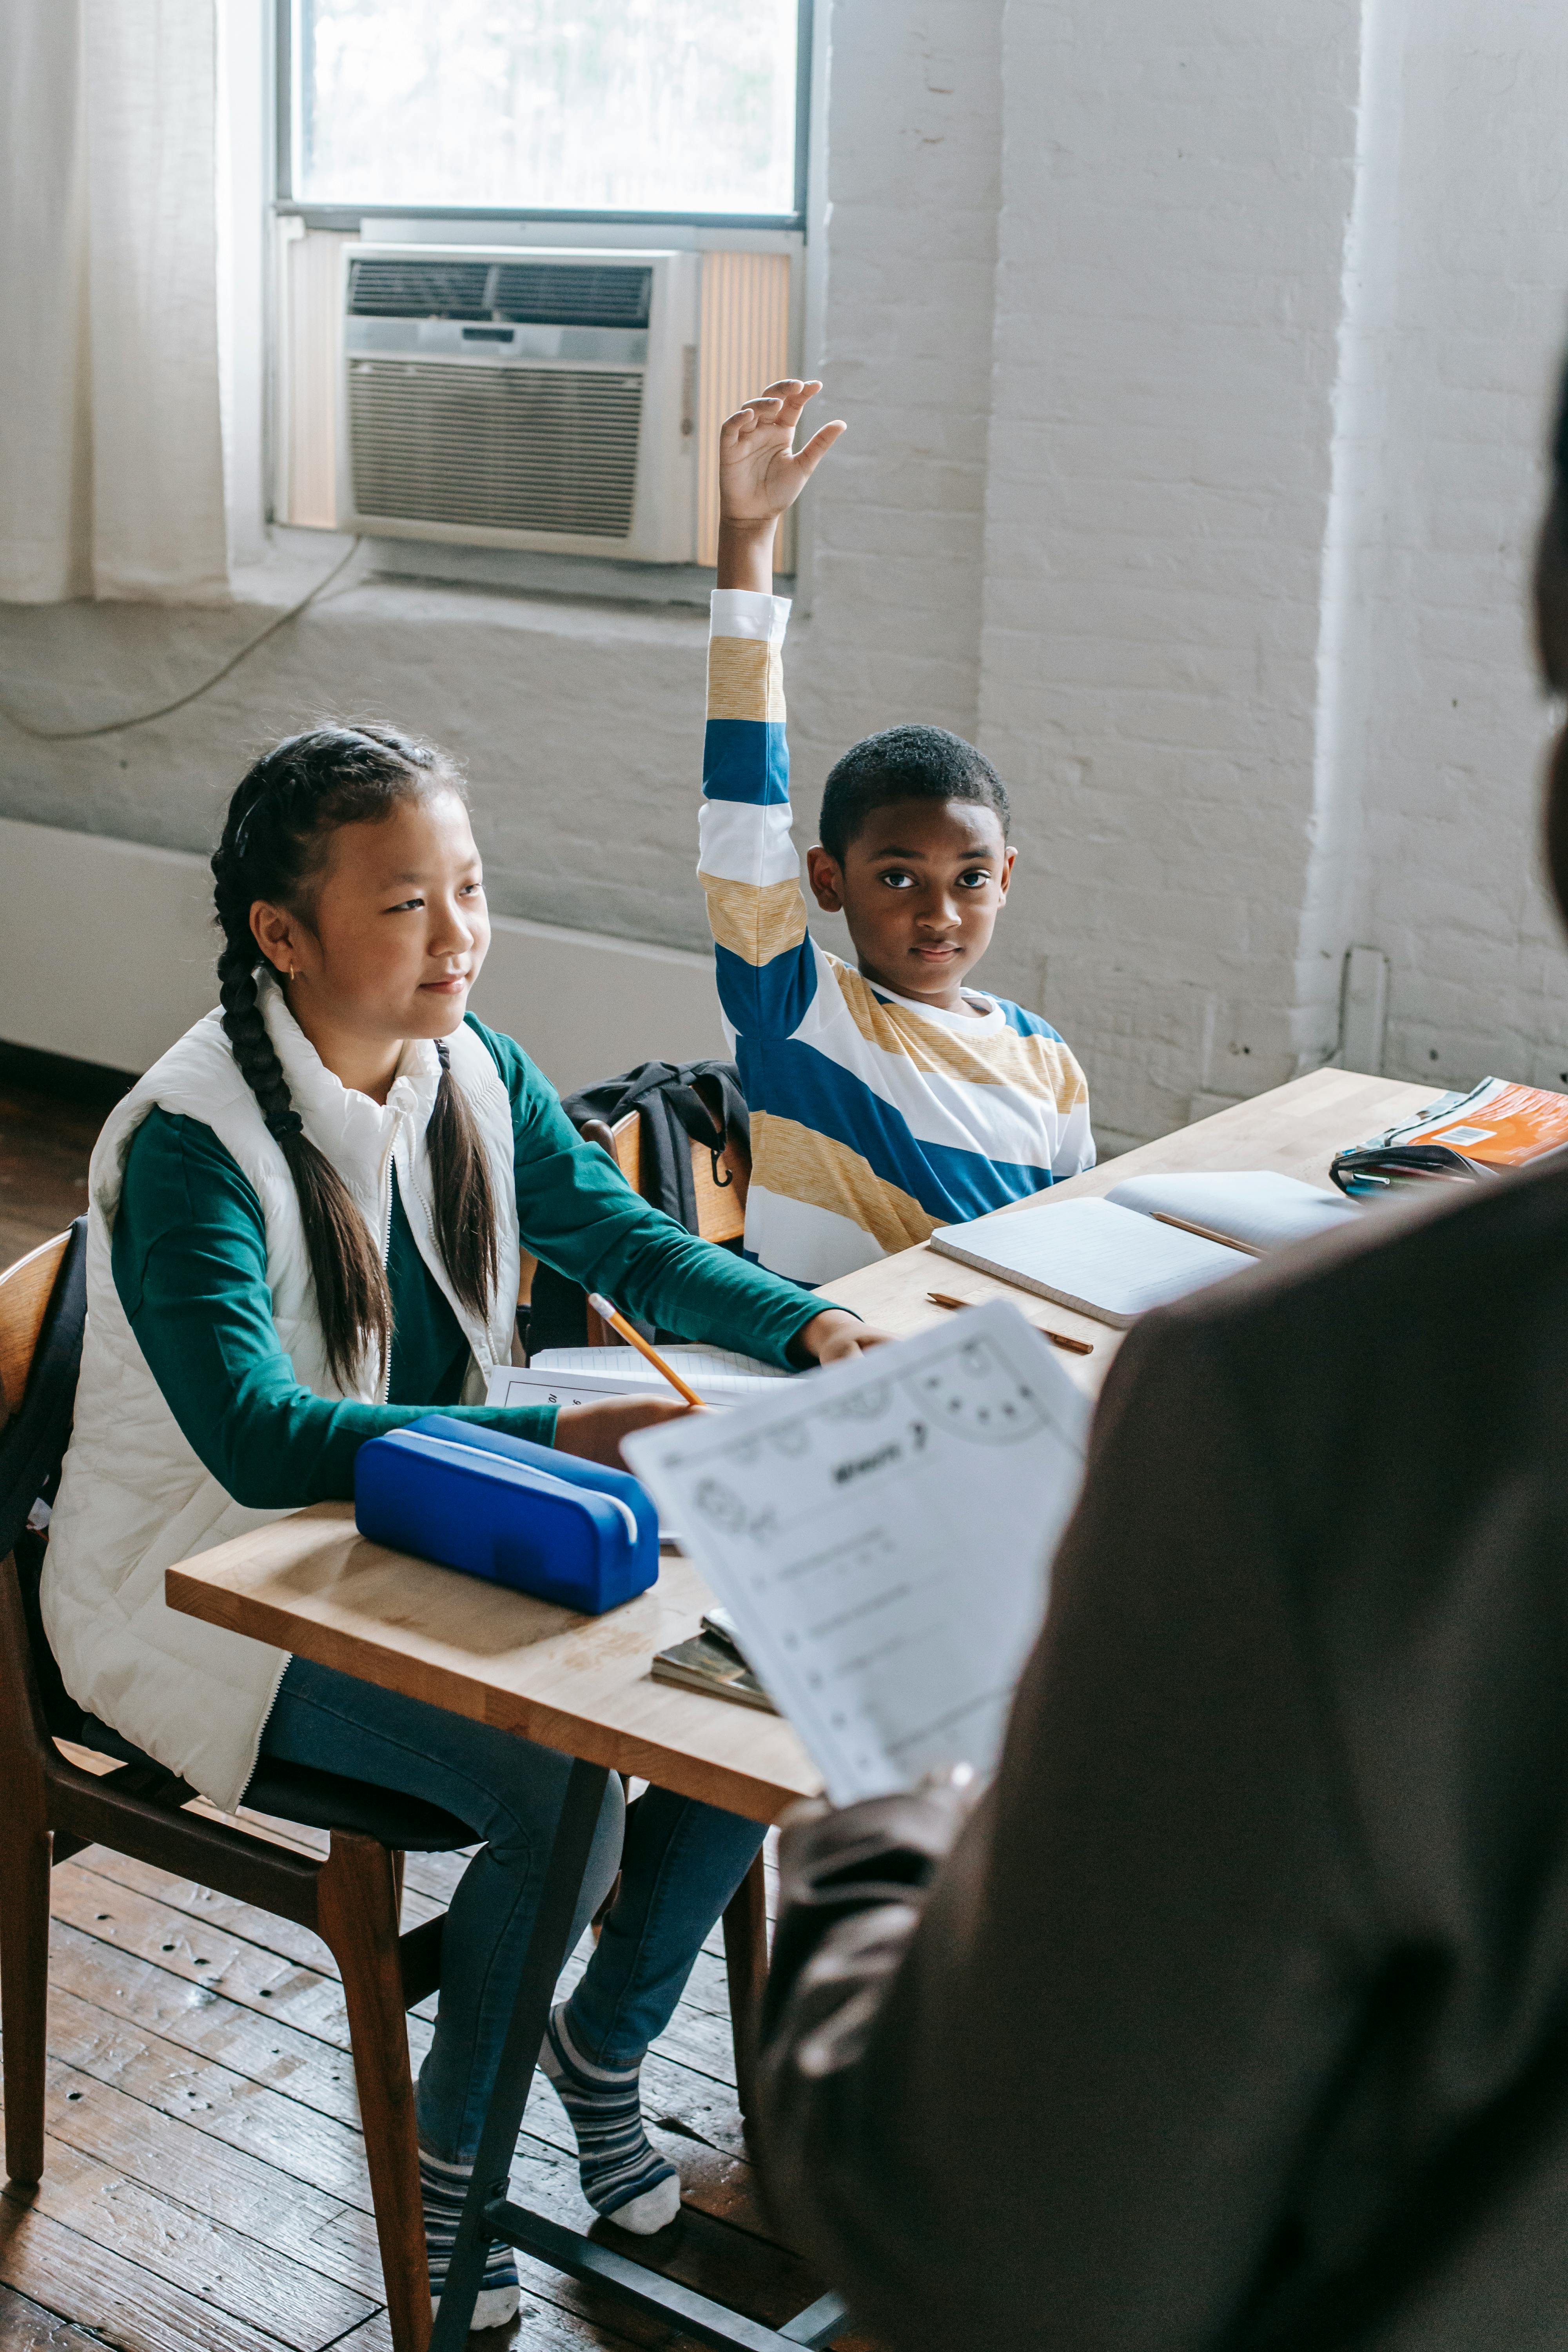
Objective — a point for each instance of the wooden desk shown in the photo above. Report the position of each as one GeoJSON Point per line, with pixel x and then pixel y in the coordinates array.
{"type": "Point", "coordinates": [1294, 1128]}
{"type": "Point", "coordinates": [311, 1584]}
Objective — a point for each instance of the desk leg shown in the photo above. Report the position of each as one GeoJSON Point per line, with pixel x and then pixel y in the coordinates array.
{"type": "Point", "coordinates": [487, 2212]}
{"type": "Point", "coordinates": [543, 1963]}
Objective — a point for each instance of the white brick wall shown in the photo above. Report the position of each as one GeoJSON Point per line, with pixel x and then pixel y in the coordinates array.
{"type": "Point", "coordinates": [581, 726]}
{"type": "Point", "coordinates": [891, 625]}
{"type": "Point", "coordinates": [1458, 332]}
{"type": "Point", "coordinates": [1176, 183]}
{"type": "Point", "coordinates": [1195, 354]}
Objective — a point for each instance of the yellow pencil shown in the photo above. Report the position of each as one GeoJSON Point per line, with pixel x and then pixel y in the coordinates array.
{"type": "Point", "coordinates": [1057, 1339]}
{"type": "Point", "coordinates": [617, 1322]}
{"type": "Point", "coordinates": [1205, 1233]}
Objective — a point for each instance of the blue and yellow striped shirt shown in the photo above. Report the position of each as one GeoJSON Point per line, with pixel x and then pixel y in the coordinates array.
{"type": "Point", "coordinates": [874, 1120]}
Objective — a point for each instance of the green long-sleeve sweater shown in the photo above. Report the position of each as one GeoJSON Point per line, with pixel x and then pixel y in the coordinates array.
{"type": "Point", "coordinates": [190, 1266]}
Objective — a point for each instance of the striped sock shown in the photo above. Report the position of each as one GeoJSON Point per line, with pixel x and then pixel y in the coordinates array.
{"type": "Point", "coordinates": [623, 2177]}
{"type": "Point", "coordinates": [443, 2188]}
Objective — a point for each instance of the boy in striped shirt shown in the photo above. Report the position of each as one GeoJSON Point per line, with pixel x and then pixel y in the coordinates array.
{"type": "Point", "coordinates": [888, 1098]}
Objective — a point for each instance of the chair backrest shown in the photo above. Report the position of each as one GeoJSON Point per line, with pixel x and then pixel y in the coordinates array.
{"type": "Point", "coordinates": [43, 1312]}
{"type": "Point", "coordinates": [25, 1291]}
{"type": "Point", "coordinates": [721, 1207]}
{"type": "Point", "coordinates": [679, 1134]}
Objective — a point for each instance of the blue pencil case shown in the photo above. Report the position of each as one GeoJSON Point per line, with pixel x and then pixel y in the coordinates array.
{"type": "Point", "coordinates": [496, 1506]}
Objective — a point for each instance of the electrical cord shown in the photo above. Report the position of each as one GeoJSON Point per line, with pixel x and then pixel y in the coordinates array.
{"type": "Point", "coordinates": [165, 709]}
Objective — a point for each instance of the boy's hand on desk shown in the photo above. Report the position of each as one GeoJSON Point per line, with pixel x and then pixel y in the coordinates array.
{"type": "Point", "coordinates": [836, 1335]}
{"type": "Point", "coordinates": [594, 1431]}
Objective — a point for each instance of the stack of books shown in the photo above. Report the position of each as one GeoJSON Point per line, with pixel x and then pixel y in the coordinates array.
{"type": "Point", "coordinates": [1458, 1138]}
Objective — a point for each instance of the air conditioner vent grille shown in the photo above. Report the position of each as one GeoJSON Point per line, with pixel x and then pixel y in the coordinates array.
{"type": "Point", "coordinates": [419, 289]}
{"type": "Point", "coordinates": [603, 294]}
{"type": "Point", "coordinates": [546, 293]}
{"type": "Point", "coordinates": [510, 449]}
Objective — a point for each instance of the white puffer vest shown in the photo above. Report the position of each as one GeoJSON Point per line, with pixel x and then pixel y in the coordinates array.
{"type": "Point", "coordinates": [135, 1499]}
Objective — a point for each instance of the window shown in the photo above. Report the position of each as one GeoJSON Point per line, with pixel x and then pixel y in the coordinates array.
{"type": "Point", "coordinates": [666, 109]}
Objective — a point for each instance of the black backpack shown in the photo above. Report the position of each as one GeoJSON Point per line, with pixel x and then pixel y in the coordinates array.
{"type": "Point", "coordinates": [676, 1103]}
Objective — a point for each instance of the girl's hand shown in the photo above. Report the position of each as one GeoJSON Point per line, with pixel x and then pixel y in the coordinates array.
{"type": "Point", "coordinates": [834, 1335]}
{"type": "Point", "coordinates": [594, 1431]}
{"type": "Point", "coordinates": [760, 473]}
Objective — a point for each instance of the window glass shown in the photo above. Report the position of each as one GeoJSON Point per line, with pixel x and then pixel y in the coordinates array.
{"type": "Point", "coordinates": [662, 106]}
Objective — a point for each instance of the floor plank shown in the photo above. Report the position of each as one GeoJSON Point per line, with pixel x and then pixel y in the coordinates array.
{"type": "Point", "coordinates": [25, 2327]}
{"type": "Point", "coordinates": [243, 2191]}
{"type": "Point", "coordinates": [67, 2271]}
{"type": "Point", "coordinates": [236, 2276]}
{"type": "Point", "coordinates": [45, 1145]}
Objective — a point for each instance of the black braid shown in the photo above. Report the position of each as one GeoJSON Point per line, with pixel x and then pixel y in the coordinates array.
{"type": "Point", "coordinates": [273, 847]}
{"type": "Point", "coordinates": [253, 1048]}
{"type": "Point", "coordinates": [463, 1200]}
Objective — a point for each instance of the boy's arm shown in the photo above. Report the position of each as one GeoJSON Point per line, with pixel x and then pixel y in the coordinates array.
{"type": "Point", "coordinates": [1076, 1148]}
{"type": "Point", "coordinates": [747, 863]}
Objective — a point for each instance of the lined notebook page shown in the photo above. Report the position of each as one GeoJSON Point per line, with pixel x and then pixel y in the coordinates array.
{"type": "Point", "coordinates": [1255, 1206]}
{"type": "Point", "coordinates": [583, 1375]}
{"type": "Point", "coordinates": [694, 1363]}
{"type": "Point", "coordinates": [1106, 1262]}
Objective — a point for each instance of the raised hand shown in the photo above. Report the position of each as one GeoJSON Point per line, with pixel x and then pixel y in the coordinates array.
{"type": "Point", "coordinates": [760, 473]}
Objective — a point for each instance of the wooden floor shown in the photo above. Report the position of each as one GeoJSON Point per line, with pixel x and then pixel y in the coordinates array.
{"type": "Point", "coordinates": [204, 2188]}
{"type": "Point", "coordinates": [45, 1144]}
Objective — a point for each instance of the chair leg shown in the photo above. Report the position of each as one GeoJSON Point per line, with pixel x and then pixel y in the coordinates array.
{"type": "Point", "coordinates": [24, 1988]}
{"type": "Point", "coordinates": [356, 1913]}
{"type": "Point", "coordinates": [746, 1967]}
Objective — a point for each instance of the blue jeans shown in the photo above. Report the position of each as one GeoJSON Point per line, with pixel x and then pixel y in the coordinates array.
{"type": "Point", "coordinates": [682, 1863]}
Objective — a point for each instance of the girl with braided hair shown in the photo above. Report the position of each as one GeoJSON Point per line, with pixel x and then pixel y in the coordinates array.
{"type": "Point", "coordinates": [305, 1227]}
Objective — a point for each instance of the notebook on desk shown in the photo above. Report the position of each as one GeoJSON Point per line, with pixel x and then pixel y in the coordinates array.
{"type": "Point", "coordinates": [1116, 1259]}
{"type": "Point", "coordinates": [583, 1375]}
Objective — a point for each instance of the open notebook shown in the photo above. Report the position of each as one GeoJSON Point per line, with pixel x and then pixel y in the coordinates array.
{"type": "Point", "coordinates": [583, 1375]}
{"type": "Point", "coordinates": [1115, 1259]}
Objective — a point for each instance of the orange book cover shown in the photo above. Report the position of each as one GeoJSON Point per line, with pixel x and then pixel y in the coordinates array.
{"type": "Point", "coordinates": [1507, 1129]}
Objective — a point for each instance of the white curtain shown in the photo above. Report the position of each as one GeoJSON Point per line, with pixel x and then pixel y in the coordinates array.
{"type": "Point", "coordinates": [112, 461]}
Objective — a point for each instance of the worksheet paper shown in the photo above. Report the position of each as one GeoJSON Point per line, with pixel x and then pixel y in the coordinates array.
{"type": "Point", "coordinates": [882, 1533]}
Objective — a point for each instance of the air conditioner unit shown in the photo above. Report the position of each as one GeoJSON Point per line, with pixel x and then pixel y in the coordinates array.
{"type": "Point", "coordinates": [520, 396]}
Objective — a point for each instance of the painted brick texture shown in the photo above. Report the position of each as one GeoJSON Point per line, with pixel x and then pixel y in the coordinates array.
{"type": "Point", "coordinates": [1197, 358]}
{"type": "Point", "coordinates": [1174, 202]}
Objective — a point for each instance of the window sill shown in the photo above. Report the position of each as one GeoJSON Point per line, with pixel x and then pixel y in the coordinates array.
{"type": "Point", "coordinates": [528, 572]}
{"type": "Point", "coordinates": [295, 556]}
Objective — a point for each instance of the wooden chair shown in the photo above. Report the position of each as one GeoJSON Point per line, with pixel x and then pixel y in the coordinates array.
{"type": "Point", "coordinates": [720, 1206]}
{"type": "Point", "coordinates": [53, 1808]}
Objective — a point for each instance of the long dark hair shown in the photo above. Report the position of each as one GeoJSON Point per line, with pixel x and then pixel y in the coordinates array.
{"type": "Point", "coordinates": [275, 844]}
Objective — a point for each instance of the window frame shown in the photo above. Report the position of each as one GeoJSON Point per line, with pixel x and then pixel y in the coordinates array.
{"type": "Point", "coordinates": [341, 215]}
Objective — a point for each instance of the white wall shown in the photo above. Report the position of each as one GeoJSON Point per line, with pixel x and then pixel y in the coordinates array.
{"type": "Point", "coordinates": [1456, 323]}
{"type": "Point", "coordinates": [1196, 357]}
{"type": "Point", "coordinates": [581, 724]}
{"type": "Point", "coordinates": [132, 966]}
{"type": "Point", "coordinates": [1174, 202]}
